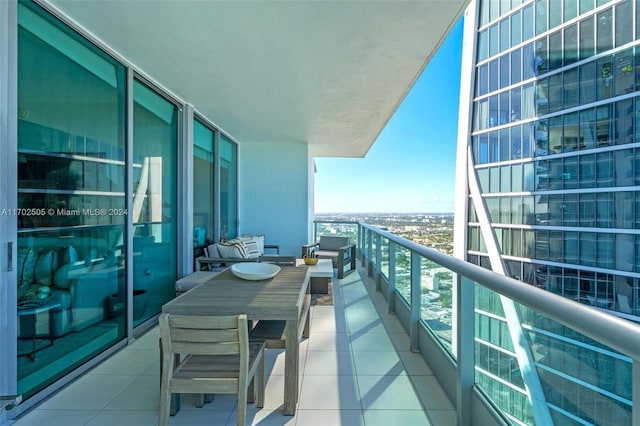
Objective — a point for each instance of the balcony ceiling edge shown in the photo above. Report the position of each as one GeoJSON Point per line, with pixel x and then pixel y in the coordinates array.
{"type": "Point", "coordinates": [328, 73]}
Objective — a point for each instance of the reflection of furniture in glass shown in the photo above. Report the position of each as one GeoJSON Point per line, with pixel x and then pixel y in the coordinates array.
{"type": "Point", "coordinates": [339, 249]}
{"type": "Point", "coordinates": [32, 309]}
{"type": "Point", "coordinates": [225, 362]}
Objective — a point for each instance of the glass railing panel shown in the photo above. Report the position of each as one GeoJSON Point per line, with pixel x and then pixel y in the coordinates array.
{"type": "Point", "coordinates": [595, 381]}
{"type": "Point", "coordinates": [384, 257]}
{"type": "Point", "coordinates": [403, 273]}
{"type": "Point", "coordinates": [374, 250]}
{"type": "Point", "coordinates": [343, 228]}
{"type": "Point", "coordinates": [578, 377]}
{"type": "Point", "coordinates": [436, 285]}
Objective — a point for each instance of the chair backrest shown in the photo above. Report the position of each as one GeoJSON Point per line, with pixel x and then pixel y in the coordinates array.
{"type": "Point", "coordinates": [205, 335]}
{"type": "Point", "coordinates": [330, 242]}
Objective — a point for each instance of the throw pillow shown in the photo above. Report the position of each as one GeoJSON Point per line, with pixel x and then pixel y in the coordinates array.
{"type": "Point", "coordinates": [259, 240]}
{"type": "Point", "coordinates": [233, 249]}
{"type": "Point", "coordinates": [46, 264]}
{"type": "Point", "coordinates": [253, 251]}
{"type": "Point", "coordinates": [26, 264]}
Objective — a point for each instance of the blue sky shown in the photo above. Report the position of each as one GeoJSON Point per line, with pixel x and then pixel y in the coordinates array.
{"type": "Point", "coordinates": [411, 166]}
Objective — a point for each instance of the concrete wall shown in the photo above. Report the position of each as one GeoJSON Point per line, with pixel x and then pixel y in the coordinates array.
{"type": "Point", "coordinates": [276, 193]}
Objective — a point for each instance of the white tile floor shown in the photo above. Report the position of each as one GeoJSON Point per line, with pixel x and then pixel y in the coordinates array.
{"type": "Point", "coordinates": [356, 370]}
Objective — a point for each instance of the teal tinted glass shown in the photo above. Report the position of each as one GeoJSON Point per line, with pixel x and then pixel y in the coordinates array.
{"type": "Point", "coordinates": [203, 184]}
{"type": "Point", "coordinates": [154, 201]}
{"type": "Point", "coordinates": [228, 188]}
{"type": "Point", "coordinates": [71, 183]}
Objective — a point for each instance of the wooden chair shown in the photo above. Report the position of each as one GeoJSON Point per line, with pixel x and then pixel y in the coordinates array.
{"type": "Point", "coordinates": [216, 357]}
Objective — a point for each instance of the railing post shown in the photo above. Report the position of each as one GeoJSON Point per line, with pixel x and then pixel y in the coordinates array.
{"type": "Point", "coordinates": [416, 297]}
{"type": "Point", "coordinates": [369, 251]}
{"type": "Point", "coordinates": [378, 278]}
{"type": "Point", "coordinates": [465, 347]}
{"type": "Point", "coordinates": [391, 290]}
{"type": "Point", "coordinates": [635, 392]}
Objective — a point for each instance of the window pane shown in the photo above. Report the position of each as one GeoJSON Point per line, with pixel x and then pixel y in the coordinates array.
{"type": "Point", "coordinates": [504, 144]}
{"type": "Point", "coordinates": [483, 80]}
{"type": "Point", "coordinates": [504, 108]}
{"type": "Point", "coordinates": [585, 6]}
{"type": "Point", "coordinates": [515, 104]}
{"type": "Point", "coordinates": [483, 45]}
{"type": "Point", "coordinates": [228, 187]}
{"type": "Point", "coordinates": [624, 23]}
{"type": "Point", "coordinates": [587, 43]}
{"type": "Point", "coordinates": [493, 40]}
{"type": "Point", "coordinates": [516, 29]}
{"type": "Point", "coordinates": [624, 72]}
{"type": "Point", "coordinates": [528, 62]}
{"type": "Point", "coordinates": [604, 31]}
{"type": "Point", "coordinates": [570, 88]}
{"type": "Point", "coordinates": [155, 131]}
{"type": "Point", "coordinates": [570, 9]}
{"type": "Point", "coordinates": [203, 213]}
{"type": "Point", "coordinates": [555, 92]}
{"type": "Point", "coordinates": [504, 71]}
{"type": "Point", "coordinates": [541, 16]}
{"type": "Point", "coordinates": [493, 75]}
{"type": "Point", "coordinates": [625, 118]}
{"type": "Point", "coordinates": [516, 67]}
{"type": "Point", "coordinates": [527, 22]}
{"type": "Point", "coordinates": [71, 170]}
{"type": "Point", "coordinates": [604, 127]}
{"type": "Point", "coordinates": [504, 35]}
{"type": "Point", "coordinates": [555, 50]}
{"type": "Point", "coordinates": [555, 13]}
{"type": "Point", "coordinates": [587, 83]}
{"type": "Point", "coordinates": [571, 44]}
{"type": "Point", "coordinates": [570, 140]}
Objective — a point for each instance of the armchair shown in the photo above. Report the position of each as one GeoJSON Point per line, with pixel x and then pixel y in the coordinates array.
{"type": "Point", "coordinates": [339, 249]}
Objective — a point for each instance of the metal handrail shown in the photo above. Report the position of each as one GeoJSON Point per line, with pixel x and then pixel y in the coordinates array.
{"type": "Point", "coordinates": [619, 334]}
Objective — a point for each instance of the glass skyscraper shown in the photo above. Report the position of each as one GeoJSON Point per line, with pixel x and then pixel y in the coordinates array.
{"type": "Point", "coordinates": [553, 173]}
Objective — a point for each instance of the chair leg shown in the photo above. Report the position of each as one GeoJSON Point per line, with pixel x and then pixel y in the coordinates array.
{"type": "Point", "coordinates": [165, 400]}
{"type": "Point", "coordinates": [251, 391]}
{"type": "Point", "coordinates": [260, 382]}
{"type": "Point", "coordinates": [242, 406]}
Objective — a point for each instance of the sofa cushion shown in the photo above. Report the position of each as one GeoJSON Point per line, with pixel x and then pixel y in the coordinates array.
{"type": "Point", "coordinates": [326, 254]}
{"type": "Point", "coordinates": [332, 243]}
{"type": "Point", "coordinates": [212, 251]}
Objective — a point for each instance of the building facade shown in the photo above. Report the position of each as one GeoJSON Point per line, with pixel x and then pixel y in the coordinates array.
{"type": "Point", "coordinates": [551, 153]}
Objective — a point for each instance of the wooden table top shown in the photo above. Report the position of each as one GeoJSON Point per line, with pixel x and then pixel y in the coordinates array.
{"type": "Point", "coordinates": [278, 298]}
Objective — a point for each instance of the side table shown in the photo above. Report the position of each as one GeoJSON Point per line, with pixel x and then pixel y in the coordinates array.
{"type": "Point", "coordinates": [33, 309]}
{"type": "Point", "coordinates": [319, 274]}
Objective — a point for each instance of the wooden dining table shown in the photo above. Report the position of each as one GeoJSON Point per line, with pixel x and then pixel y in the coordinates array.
{"type": "Point", "coordinates": [282, 297]}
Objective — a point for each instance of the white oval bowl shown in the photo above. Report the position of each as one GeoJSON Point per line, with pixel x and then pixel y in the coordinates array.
{"type": "Point", "coordinates": [254, 271]}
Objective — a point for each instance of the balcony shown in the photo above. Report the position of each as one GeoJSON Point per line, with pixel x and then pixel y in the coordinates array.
{"type": "Point", "coordinates": [388, 352]}
{"type": "Point", "coordinates": [356, 369]}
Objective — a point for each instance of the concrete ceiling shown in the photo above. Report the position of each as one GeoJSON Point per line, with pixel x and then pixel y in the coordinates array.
{"type": "Point", "coordinates": [326, 73]}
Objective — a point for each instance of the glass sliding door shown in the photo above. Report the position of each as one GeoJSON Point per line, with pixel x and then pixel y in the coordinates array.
{"type": "Point", "coordinates": [71, 200]}
{"type": "Point", "coordinates": [203, 185]}
{"type": "Point", "coordinates": [228, 188]}
{"type": "Point", "coordinates": [154, 201]}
